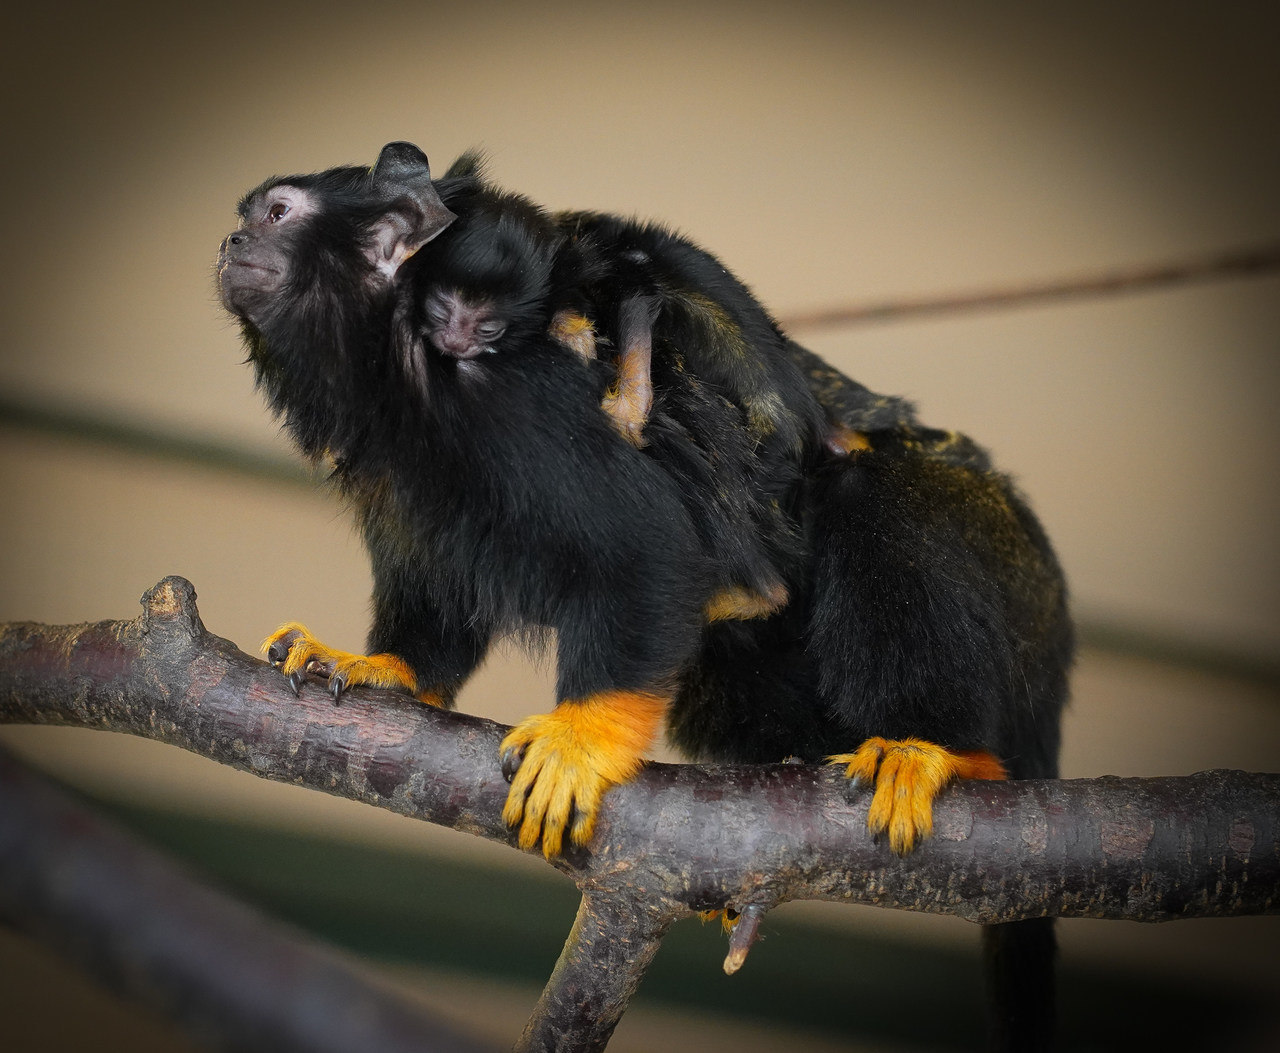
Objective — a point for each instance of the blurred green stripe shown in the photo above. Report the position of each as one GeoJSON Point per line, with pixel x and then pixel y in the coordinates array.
{"type": "Point", "coordinates": [125, 435]}
{"type": "Point", "coordinates": [1130, 640]}
{"type": "Point", "coordinates": [1136, 641]}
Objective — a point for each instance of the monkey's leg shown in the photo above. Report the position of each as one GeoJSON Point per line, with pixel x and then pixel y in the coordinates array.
{"type": "Point", "coordinates": [561, 763]}
{"type": "Point", "coordinates": [907, 775]}
{"type": "Point", "coordinates": [295, 652]}
{"type": "Point", "coordinates": [631, 399]}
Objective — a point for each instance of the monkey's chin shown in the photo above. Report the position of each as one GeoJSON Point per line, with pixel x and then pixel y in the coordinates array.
{"type": "Point", "coordinates": [470, 369]}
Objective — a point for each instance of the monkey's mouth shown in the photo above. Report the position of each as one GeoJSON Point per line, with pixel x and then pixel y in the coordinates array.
{"type": "Point", "coordinates": [244, 287]}
{"type": "Point", "coordinates": [463, 354]}
{"type": "Point", "coordinates": [260, 268]}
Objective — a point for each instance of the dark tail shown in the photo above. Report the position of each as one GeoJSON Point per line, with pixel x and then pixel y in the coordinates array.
{"type": "Point", "coordinates": [1018, 960]}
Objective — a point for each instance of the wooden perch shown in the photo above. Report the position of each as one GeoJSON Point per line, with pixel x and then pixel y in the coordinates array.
{"type": "Point", "coordinates": [679, 838]}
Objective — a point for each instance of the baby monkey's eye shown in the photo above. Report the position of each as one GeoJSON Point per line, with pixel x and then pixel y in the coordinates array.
{"type": "Point", "coordinates": [277, 211]}
{"type": "Point", "coordinates": [490, 330]}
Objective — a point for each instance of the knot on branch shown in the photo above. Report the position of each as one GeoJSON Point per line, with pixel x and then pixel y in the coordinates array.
{"type": "Point", "coordinates": [169, 610]}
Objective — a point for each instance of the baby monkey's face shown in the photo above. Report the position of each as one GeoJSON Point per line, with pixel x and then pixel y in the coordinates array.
{"type": "Point", "coordinates": [462, 327]}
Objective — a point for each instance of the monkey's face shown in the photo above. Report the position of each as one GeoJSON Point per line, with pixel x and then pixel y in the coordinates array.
{"type": "Point", "coordinates": [255, 260]}
{"type": "Point", "coordinates": [462, 327]}
{"type": "Point", "coordinates": [329, 238]}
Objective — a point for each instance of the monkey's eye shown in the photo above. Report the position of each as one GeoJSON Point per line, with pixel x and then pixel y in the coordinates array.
{"type": "Point", "coordinates": [277, 212]}
{"type": "Point", "coordinates": [490, 330]}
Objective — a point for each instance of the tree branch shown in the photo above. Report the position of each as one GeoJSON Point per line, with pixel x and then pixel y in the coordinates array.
{"type": "Point", "coordinates": [605, 957]}
{"type": "Point", "coordinates": [679, 838]}
{"type": "Point", "coordinates": [229, 975]}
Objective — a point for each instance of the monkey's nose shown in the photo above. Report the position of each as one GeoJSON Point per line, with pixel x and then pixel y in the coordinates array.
{"type": "Point", "coordinates": [456, 346]}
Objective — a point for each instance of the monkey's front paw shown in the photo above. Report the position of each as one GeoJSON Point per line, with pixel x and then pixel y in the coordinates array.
{"type": "Point", "coordinates": [575, 332]}
{"type": "Point", "coordinates": [907, 775]}
{"type": "Point", "coordinates": [296, 653]}
{"type": "Point", "coordinates": [561, 763]}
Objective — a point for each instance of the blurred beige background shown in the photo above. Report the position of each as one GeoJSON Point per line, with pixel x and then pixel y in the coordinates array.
{"type": "Point", "coordinates": [830, 154]}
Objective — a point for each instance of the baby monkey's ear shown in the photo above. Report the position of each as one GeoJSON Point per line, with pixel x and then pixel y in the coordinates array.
{"type": "Point", "coordinates": [414, 213]}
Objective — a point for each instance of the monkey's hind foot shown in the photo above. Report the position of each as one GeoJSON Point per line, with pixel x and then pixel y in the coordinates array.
{"type": "Point", "coordinates": [561, 763]}
{"type": "Point", "coordinates": [628, 411]}
{"type": "Point", "coordinates": [736, 603]}
{"type": "Point", "coordinates": [907, 775]}
{"type": "Point", "coordinates": [845, 442]}
{"type": "Point", "coordinates": [728, 918]}
{"type": "Point", "coordinates": [296, 653]}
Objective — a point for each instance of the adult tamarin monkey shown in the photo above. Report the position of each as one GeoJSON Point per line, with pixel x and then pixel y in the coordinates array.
{"type": "Point", "coordinates": [912, 623]}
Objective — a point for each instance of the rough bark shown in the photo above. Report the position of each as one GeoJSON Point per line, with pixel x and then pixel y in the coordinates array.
{"type": "Point", "coordinates": [679, 838]}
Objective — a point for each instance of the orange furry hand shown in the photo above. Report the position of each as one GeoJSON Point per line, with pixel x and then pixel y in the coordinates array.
{"type": "Point", "coordinates": [561, 763]}
{"type": "Point", "coordinates": [575, 332]}
{"type": "Point", "coordinates": [907, 775]}
{"type": "Point", "coordinates": [296, 653]}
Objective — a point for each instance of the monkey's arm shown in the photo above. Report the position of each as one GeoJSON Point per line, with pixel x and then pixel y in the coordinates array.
{"type": "Point", "coordinates": [414, 645]}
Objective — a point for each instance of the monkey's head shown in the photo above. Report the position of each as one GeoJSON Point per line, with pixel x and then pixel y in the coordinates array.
{"type": "Point", "coordinates": [314, 250]}
{"type": "Point", "coordinates": [489, 286]}
{"type": "Point", "coordinates": [313, 273]}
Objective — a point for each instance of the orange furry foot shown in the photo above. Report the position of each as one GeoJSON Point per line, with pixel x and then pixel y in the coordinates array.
{"type": "Point", "coordinates": [561, 763]}
{"type": "Point", "coordinates": [628, 412]}
{"type": "Point", "coordinates": [738, 604]}
{"type": "Point", "coordinates": [295, 652]}
{"type": "Point", "coordinates": [907, 775]}
{"type": "Point", "coordinates": [844, 441]}
{"type": "Point", "coordinates": [728, 918]}
{"type": "Point", "coordinates": [630, 399]}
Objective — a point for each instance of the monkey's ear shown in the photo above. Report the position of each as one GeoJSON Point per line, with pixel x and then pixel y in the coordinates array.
{"type": "Point", "coordinates": [401, 181]}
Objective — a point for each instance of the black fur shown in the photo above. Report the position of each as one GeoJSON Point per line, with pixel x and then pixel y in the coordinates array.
{"type": "Point", "coordinates": [732, 424]}
{"type": "Point", "coordinates": [494, 495]}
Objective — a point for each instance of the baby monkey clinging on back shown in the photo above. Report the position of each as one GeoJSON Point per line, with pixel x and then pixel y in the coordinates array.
{"type": "Point", "coordinates": [916, 626]}
{"type": "Point", "coordinates": [506, 273]}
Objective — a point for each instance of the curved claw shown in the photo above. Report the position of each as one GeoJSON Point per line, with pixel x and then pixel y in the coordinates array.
{"type": "Point", "coordinates": [296, 653]}
{"type": "Point", "coordinates": [560, 764]}
{"type": "Point", "coordinates": [862, 766]}
{"type": "Point", "coordinates": [337, 685]}
{"type": "Point", "coordinates": [907, 774]}
{"type": "Point", "coordinates": [511, 759]}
